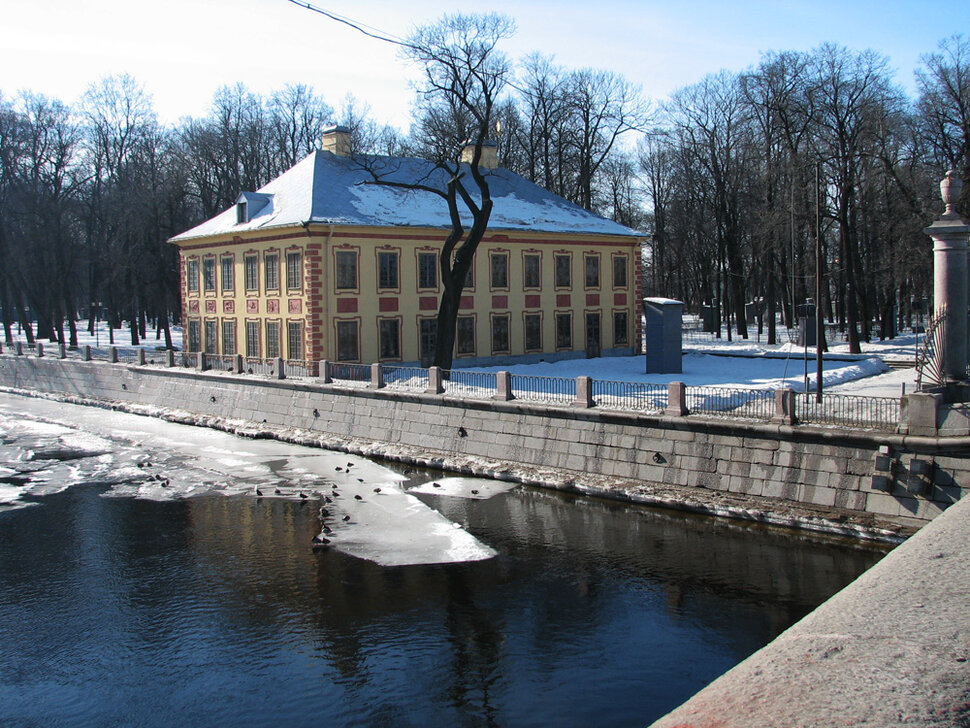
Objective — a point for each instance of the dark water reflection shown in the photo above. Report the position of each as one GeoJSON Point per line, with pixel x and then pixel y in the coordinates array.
{"type": "Point", "coordinates": [214, 611]}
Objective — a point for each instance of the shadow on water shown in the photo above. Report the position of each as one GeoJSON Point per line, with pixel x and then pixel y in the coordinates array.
{"type": "Point", "coordinates": [215, 610]}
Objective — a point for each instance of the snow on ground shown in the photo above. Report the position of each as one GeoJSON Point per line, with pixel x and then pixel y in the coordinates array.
{"type": "Point", "coordinates": [47, 446]}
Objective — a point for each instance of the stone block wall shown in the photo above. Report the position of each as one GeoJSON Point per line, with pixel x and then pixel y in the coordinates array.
{"type": "Point", "coordinates": [887, 475]}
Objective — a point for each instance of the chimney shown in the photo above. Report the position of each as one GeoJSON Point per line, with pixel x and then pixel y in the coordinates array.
{"type": "Point", "coordinates": [336, 139]}
{"type": "Point", "coordinates": [489, 158]}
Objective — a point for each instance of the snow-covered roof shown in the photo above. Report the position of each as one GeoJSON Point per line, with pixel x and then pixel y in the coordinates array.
{"type": "Point", "coordinates": [330, 189]}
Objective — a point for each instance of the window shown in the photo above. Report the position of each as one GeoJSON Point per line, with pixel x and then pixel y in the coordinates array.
{"type": "Point", "coordinates": [209, 274]}
{"type": "Point", "coordinates": [347, 347]}
{"type": "Point", "coordinates": [592, 271]}
{"type": "Point", "coordinates": [564, 273]}
{"type": "Point", "coordinates": [294, 271]}
{"type": "Point", "coordinates": [619, 271]}
{"type": "Point", "coordinates": [252, 273]}
{"type": "Point", "coordinates": [294, 340]}
{"type": "Point", "coordinates": [346, 270]}
{"type": "Point", "coordinates": [465, 335]}
{"type": "Point", "coordinates": [211, 340]}
{"type": "Point", "coordinates": [192, 276]}
{"type": "Point", "coordinates": [272, 339]}
{"type": "Point", "coordinates": [427, 270]}
{"type": "Point", "coordinates": [227, 278]}
{"type": "Point", "coordinates": [387, 270]}
{"type": "Point", "coordinates": [242, 212]}
{"type": "Point", "coordinates": [271, 265]}
{"type": "Point", "coordinates": [429, 340]}
{"type": "Point", "coordinates": [564, 330]}
{"type": "Point", "coordinates": [390, 338]}
{"type": "Point", "coordinates": [533, 332]}
{"type": "Point", "coordinates": [252, 339]}
{"type": "Point", "coordinates": [228, 338]}
{"type": "Point", "coordinates": [621, 337]}
{"type": "Point", "coordinates": [500, 333]}
{"type": "Point", "coordinates": [500, 270]}
{"type": "Point", "coordinates": [194, 343]}
{"type": "Point", "coordinates": [531, 272]}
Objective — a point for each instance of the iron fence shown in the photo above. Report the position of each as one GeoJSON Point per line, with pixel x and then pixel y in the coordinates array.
{"type": "Point", "coordinates": [297, 369]}
{"type": "Point", "coordinates": [636, 396]}
{"type": "Point", "coordinates": [474, 385]}
{"type": "Point", "coordinates": [555, 390]}
{"type": "Point", "coordinates": [259, 367]}
{"type": "Point", "coordinates": [413, 379]}
{"type": "Point", "coordinates": [846, 410]}
{"type": "Point", "coordinates": [756, 404]}
{"type": "Point", "coordinates": [353, 375]}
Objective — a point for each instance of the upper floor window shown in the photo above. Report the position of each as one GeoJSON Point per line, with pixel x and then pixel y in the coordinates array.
{"type": "Point", "coordinates": [346, 277]}
{"type": "Point", "coordinates": [387, 270]}
{"type": "Point", "coordinates": [192, 276]}
{"type": "Point", "coordinates": [228, 281]}
{"type": "Point", "coordinates": [252, 273]}
{"type": "Point", "coordinates": [592, 271]}
{"type": "Point", "coordinates": [500, 270]}
{"type": "Point", "coordinates": [294, 271]}
{"type": "Point", "coordinates": [564, 271]}
{"type": "Point", "coordinates": [531, 271]}
{"type": "Point", "coordinates": [619, 271]}
{"type": "Point", "coordinates": [271, 270]}
{"type": "Point", "coordinates": [209, 274]}
{"type": "Point", "coordinates": [427, 270]}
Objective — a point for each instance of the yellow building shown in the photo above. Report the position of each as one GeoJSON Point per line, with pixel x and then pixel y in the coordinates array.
{"type": "Point", "coordinates": [320, 264]}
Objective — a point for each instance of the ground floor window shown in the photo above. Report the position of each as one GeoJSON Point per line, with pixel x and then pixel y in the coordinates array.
{"type": "Point", "coordinates": [564, 331]}
{"type": "Point", "coordinates": [194, 343]}
{"type": "Point", "coordinates": [389, 331]}
{"type": "Point", "coordinates": [533, 332]}
{"type": "Point", "coordinates": [465, 335]}
{"type": "Point", "coordinates": [500, 334]}
{"type": "Point", "coordinates": [348, 347]}
{"type": "Point", "coordinates": [294, 340]}
{"type": "Point", "coordinates": [211, 340]}
{"type": "Point", "coordinates": [252, 339]}
{"type": "Point", "coordinates": [621, 336]}
{"type": "Point", "coordinates": [272, 339]}
{"type": "Point", "coordinates": [229, 337]}
{"type": "Point", "coordinates": [429, 340]}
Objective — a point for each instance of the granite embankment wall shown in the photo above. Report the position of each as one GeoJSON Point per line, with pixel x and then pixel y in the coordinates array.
{"type": "Point", "coordinates": [831, 479]}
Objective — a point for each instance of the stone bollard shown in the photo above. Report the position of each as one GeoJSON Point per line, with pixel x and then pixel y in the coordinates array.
{"type": "Point", "coordinates": [784, 407]}
{"type": "Point", "coordinates": [201, 361]}
{"type": "Point", "coordinates": [280, 368]}
{"type": "Point", "coordinates": [676, 400]}
{"type": "Point", "coordinates": [919, 413]}
{"type": "Point", "coordinates": [140, 357]}
{"type": "Point", "coordinates": [61, 351]}
{"type": "Point", "coordinates": [584, 392]}
{"type": "Point", "coordinates": [376, 376]}
{"type": "Point", "coordinates": [238, 364]}
{"type": "Point", "coordinates": [40, 350]}
{"type": "Point", "coordinates": [503, 387]}
{"type": "Point", "coordinates": [325, 374]}
{"type": "Point", "coordinates": [169, 358]}
{"type": "Point", "coordinates": [19, 348]}
{"type": "Point", "coordinates": [435, 385]}
{"type": "Point", "coordinates": [113, 354]}
{"type": "Point", "coordinates": [86, 352]}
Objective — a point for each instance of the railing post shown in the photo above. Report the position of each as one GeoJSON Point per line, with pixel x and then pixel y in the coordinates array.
{"type": "Point", "coordinates": [325, 374]}
{"type": "Point", "coordinates": [920, 412]}
{"type": "Point", "coordinates": [376, 376]}
{"type": "Point", "coordinates": [61, 351]}
{"type": "Point", "coordinates": [169, 358]}
{"type": "Point", "coordinates": [19, 348]}
{"type": "Point", "coordinates": [434, 381]}
{"type": "Point", "coordinates": [40, 350]}
{"type": "Point", "coordinates": [676, 400]}
{"type": "Point", "coordinates": [239, 364]}
{"type": "Point", "coordinates": [113, 354]}
{"type": "Point", "coordinates": [785, 407]}
{"type": "Point", "coordinates": [86, 352]}
{"type": "Point", "coordinates": [503, 387]}
{"type": "Point", "coordinates": [201, 361]}
{"type": "Point", "coordinates": [140, 357]}
{"type": "Point", "coordinates": [584, 392]}
{"type": "Point", "coordinates": [280, 368]}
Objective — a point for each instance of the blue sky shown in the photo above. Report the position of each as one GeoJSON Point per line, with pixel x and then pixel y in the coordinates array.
{"type": "Point", "coordinates": [183, 50]}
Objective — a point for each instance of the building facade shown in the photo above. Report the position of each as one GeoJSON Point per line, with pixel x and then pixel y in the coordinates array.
{"type": "Point", "coordinates": [320, 264]}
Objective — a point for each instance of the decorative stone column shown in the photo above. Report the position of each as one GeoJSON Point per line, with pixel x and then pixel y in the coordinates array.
{"type": "Point", "coordinates": [950, 234]}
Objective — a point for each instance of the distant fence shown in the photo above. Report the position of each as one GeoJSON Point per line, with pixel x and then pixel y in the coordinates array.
{"type": "Point", "coordinates": [764, 405]}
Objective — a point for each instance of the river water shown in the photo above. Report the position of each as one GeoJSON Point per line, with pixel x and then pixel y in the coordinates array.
{"type": "Point", "coordinates": [143, 582]}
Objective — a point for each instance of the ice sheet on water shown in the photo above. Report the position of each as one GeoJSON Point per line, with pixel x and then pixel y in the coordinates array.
{"type": "Point", "coordinates": [369, 514]}
{"type": "Point", "coordinates": [475, 488]}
